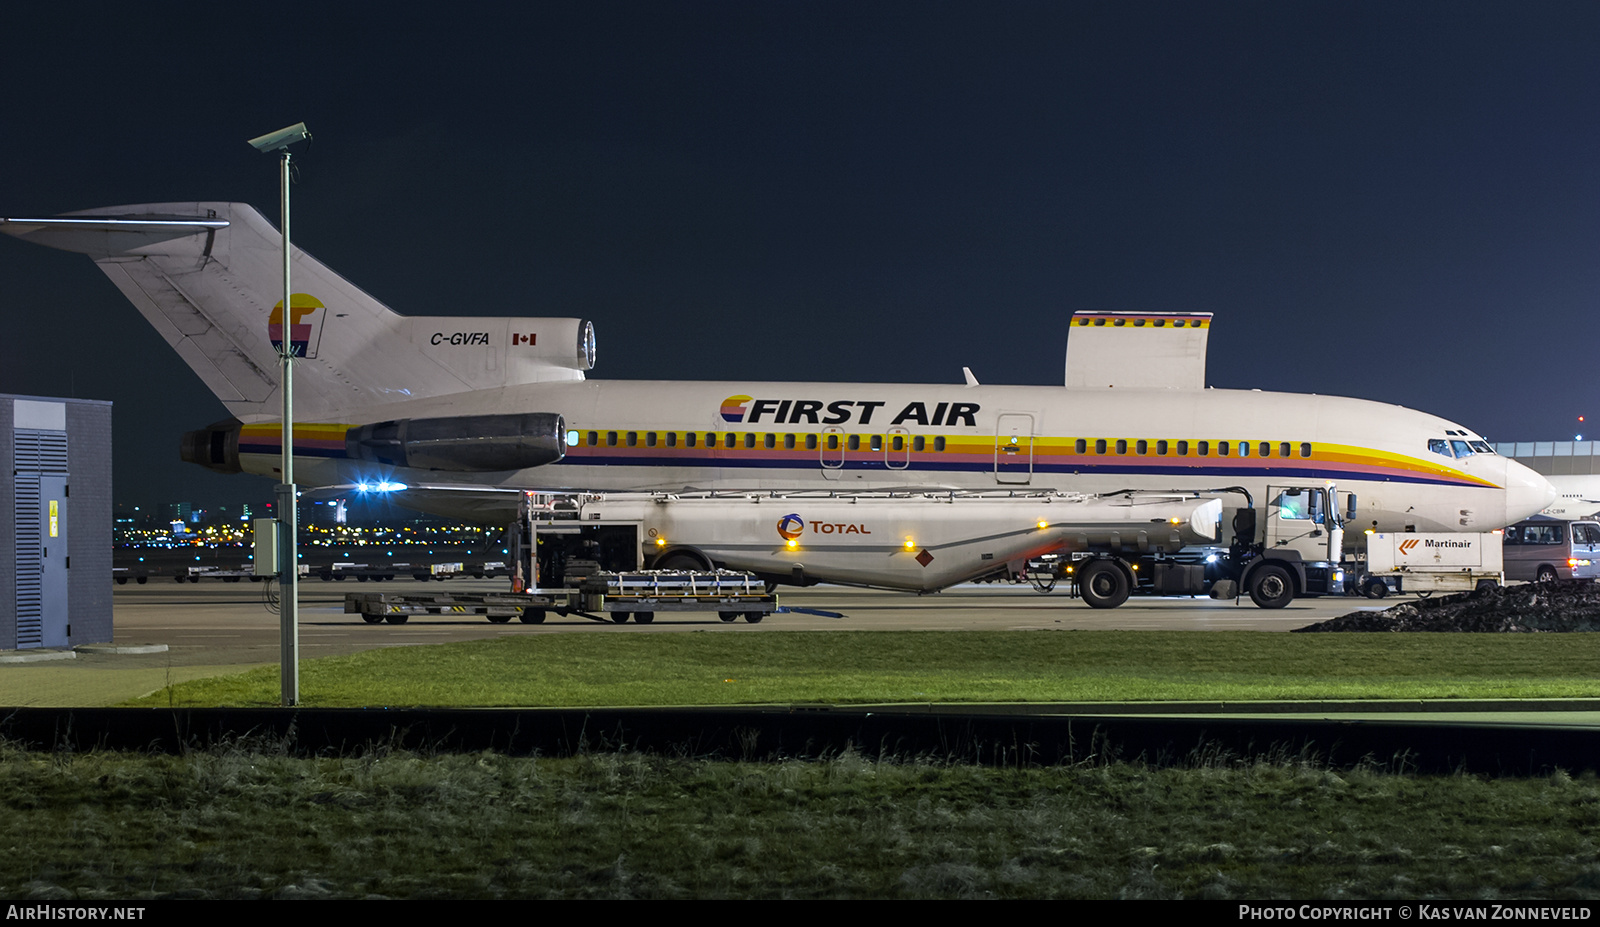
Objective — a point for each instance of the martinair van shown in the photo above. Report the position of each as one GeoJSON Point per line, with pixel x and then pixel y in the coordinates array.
{"type": "Point", "coordinates": [1544, 549]}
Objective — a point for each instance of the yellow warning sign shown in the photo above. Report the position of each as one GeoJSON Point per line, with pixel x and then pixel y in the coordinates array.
{"type": "Point", "coordinates": [54, 523]}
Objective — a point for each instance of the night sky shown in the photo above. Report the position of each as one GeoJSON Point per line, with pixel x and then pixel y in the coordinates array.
{"type": "Point", "coordinates": [1392, 200]}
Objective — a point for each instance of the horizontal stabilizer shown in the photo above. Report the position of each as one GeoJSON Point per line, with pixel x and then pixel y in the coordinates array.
{"type": "Point", "coordinates": [1137, 350]}
{"type": "Point", "coordinates": [104, 236]}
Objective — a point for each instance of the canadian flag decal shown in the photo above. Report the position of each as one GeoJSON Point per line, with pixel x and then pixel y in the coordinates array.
{"type": "Point", "coordinates": [524, 339]}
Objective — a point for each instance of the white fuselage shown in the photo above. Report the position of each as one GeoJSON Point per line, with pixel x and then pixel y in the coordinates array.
{"type": "Point", "coordinates": [668, 436]}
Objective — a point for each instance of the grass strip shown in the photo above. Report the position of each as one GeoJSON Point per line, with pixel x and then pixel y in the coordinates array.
{"type": "Point", "coordinates": [249, 823]}
{"type": "Point", "coordinates": [602, 669]}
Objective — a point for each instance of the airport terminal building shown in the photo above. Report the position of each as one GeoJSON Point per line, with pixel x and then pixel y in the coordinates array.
{"type": "Point", "coordinates": [1554, 458]}
{"type": "Point", "coordinates": [55, 523]}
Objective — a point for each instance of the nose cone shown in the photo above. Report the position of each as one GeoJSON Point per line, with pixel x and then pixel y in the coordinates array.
{"type": "Point", "coordinates": [1527, 493]}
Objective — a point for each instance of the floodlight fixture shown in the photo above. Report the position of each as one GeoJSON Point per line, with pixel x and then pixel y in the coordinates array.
{"type": "Point", "coordinates": [281, 139]}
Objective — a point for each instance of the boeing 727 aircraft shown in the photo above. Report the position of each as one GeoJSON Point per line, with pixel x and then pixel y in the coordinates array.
{"type": "Point", "coordinates": [504, 403]}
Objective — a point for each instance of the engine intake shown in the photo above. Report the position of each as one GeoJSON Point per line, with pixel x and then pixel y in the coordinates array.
{"type": "Point", "coordinates": [466, 444]}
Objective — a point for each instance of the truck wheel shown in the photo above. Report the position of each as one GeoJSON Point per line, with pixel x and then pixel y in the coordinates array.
{"type": "Point", "coordinates": [1484, 587]}
{"type": "Point", "coordinates": [1103, 584]}
{"type": "Point", "coordinates": [141, 580]}
{"type": "Point", "coordinates": [1376, 589]}
{"type": "Point", "coordinates": [1271, 587]}
{"type": "Point", "coordinates": [728, 616]}
{"type": "Point", "coordinates": [1547, 574]}
{"type": "Point", "coordinates": [619, 617]}
{"type": "Point", "coordinates": [499, 619]}
{"type": "Point", "coordinates": [532, 616]}
{"type": "Point", "coordinates": [681, 561]}
{"type": "Point", "coordinates": [371, 619]}
{"type": "Point", "coordinates": [754, 617]}
{"type": "Point", "coordinates": [396, 619]}
{"type": "Point", "coordinates": [643, 617]}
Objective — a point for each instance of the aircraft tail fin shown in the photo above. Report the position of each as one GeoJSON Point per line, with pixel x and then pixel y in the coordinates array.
{"type": "Point", "coordinates": [1160, 350]}
{"type": "Point", "coordinates": [208, 277]}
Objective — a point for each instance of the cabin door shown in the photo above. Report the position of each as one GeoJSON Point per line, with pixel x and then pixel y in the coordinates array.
{"type": "Point", "coordinates": [1013, 448]}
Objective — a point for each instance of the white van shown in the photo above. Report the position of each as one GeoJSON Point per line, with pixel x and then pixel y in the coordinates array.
{"type": "Point", "coordinates": [1544, 549]}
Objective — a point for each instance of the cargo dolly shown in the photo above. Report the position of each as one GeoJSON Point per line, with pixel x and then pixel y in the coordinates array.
{"type": "Point", "coordinates": [606, 597]}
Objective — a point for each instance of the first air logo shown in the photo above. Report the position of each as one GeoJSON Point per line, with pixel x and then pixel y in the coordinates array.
{"type": "Point", "coordinates": [751, 411]}
{"type": "Point", "coordinates": [306, 314]}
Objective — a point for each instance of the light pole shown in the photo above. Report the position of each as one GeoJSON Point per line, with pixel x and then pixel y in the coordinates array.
{"type": "Point", "coordinates": [288, 544]}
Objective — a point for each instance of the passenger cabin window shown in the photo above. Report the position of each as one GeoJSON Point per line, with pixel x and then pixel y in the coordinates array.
{"type": "Point", "coordinates": [1266, 449]}
{"type": "Point", "coordinates": [788, 442]}
{"type": "Point", "coordinates": [611, 439]}
{"type": "Point", "coordinates": [633, 439]}
{"type": "Point", "coordinates": [1080, 446]}
{"type": "Point", "coordinates": [1122, 446]}
{"type": "Point", "coordinates": [1244, 448]}
{"type": "Point", "coordinates": [938, 443]}
{"type": "Point", "coordinates": [919, 443]}
{"type": "Point", "coordinates": [750, 441]}
{"type": "Point", "coordinates": [854, 442]}
{"type": "Point", "coordinates": [594, 439]}
{"type": "Point", "coordinates": [1161, 448]}
{"type": "Point", "coordinates": [811, 442]}
{"type": "Point", "coordinates": [688, 439]}
{"type": "Point", "coordinates": [732, 440]}
{"type": "Point", "coordinates": [1222, 448]}
{"type": "Point", "coordinates": [1183, 449]}
{"type": "Point", "coordinates": [650, 439]}
{"type": "Point", "coordinates": [1283, 449]}
{"type": "Point", "coordinates": [1141, 447]}
{"type": "Point", "coordinates": [672, 439]}
{"type": "Point", "coordinates": [769, 441]}
{"type": "Point", "coordinates": [877, 442]}
{"type": "Point", "coordinates": [1100, 443]}
{"type": "Point", "coordinates": [1305, 449]}
{"type": "Point", "coordinates": [1203, 448]}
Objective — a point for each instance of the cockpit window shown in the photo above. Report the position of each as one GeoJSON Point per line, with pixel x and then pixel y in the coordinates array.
{"type": "Point", "coordinates": [1481, 447]}
{"type": "Point", "coordinates": [1440, 446]}
{"type": "Point", "coordinates": [1461, 448]}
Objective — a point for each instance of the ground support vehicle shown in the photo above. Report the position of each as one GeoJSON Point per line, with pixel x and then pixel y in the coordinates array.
{"type": "Point", "coordinates": [912, 541]}
{"type": "Point", "coordinates": [1541, 549]}
{"type": "Point", "coordinates": [1290, 548]}
{"type": "Point", "coordinates": [1427, 563]}
{"type": "Point", "coordinates": [613, 597]}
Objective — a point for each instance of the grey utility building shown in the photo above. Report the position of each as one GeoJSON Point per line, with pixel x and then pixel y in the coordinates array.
{"type": "Point", "coordinates": [55, 522]}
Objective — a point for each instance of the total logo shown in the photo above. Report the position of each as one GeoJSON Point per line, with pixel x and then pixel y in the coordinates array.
{"type": "Point", "coordinates": [791, 526]}
{"type": "Point", "coordinates": [751, 411]}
